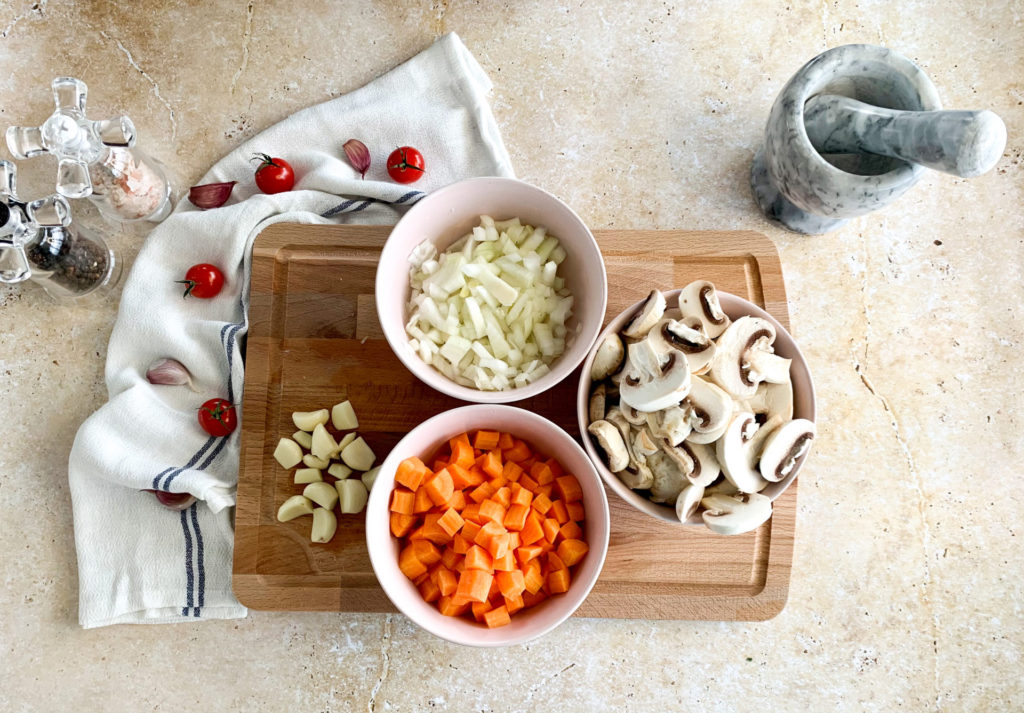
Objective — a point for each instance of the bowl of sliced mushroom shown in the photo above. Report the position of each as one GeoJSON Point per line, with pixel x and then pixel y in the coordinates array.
{"type": "Point", "coordinates": [697, 408]}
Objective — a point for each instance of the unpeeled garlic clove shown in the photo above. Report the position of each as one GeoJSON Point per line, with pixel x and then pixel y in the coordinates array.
{"type": "Point", "coordinates": [169, 372]}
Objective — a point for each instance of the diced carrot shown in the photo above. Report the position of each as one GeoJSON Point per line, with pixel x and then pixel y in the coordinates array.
{"type": "Point", "coordinates": [528, 483]}
{"type": "Point", "coordinates": [462, 453]}
{"type": "Point", "coordinates": [439, 487]}
{"type": "Point", "coordinates": [483, 492]}
{"type": "Point", "coordinates": [458, 501]}
{"type": "Point", "coordinates": [532, 530]}
{"type": "Point", "coordinates": [532, 599]}
{"type": "Point", "coordinates": [568, 488]}
{"type": "Point", "coordinates": [449, 557]}
{"type": "Point", "coordinates": [430, 591]}
{"type": "Point", "coordinates": [474, 585]}
{"type": "Point", "coordinates": [506, 441]}
{"type": "Point", "coordinates": [492, 511]}
{"type": "Point", "coordinates": [513, 540]}
{"type": "Point", "coordinates": [438, 465]}
{"type": "Point", "coordinates": [570, 531]}
{"type": "Point", "coordinates": [515, 518]}
{"type": "Point", "coordinates": [545, 546]}
{"type": "Point", "coordinates": [448, 607]}
{"type": "Point", "coordinates": [541, 503]}
{"type": "Point", "coordinates": [494, 592]}
{"type": "Point", "coordinates": [446, 582]}
{"type": "Point", "coordinates": [558, 581]}
{"type": "Point", "coordinates": [426, 552]}
{"type": "Point", "coordinates": [451, 522]}
{"type": "Point", "coordinates": [460, 566]}
{"type": "Point", "coordinates": [433, 531]}
{"type": "Point", "coordinates": [469, 530]}
{"type": "Point", "coordinates": [417, 534]}
{"type": "Point", "coordinates": [576, 511]}
{"type": "Point", "coordinates": [477, 475]}
{"type": "Point", "coordinates": [478, 558]}
{"type": "Point", "coordinates": [402, 501]}
{"type": "Point", "coordinates": [511, 583]}
{"type": "Point", "coordinates": [460, 545]}
{"type": "Point", "coordinates": [486, 440]}
{"type": "Point", "coordinates": [544, 490]}
{"type": "Point", "coordinates": [498, 545]}
{"type": "Point", "coordinates": [514, 604]}
{"type": "Point", "coordinates": [421, 579]}
{"type": "Point", "coordinates": [479, 609]}
{"type": "Point", "coordinates": [542, 473]}
{"type": "Point", "coordinates": [461, 438]}
{"type": "Point", "coordinates": [401, 524]}
{"type": "Point", "coordinates": [410, 564]}
{"type": "Point", "coordinates": [497, 617]}
{"type": "Point", "coordinates": [550, 526]}
{"type": "Point", "coordinates": [555, 562]}
{"type": "Point", "coordinates": [461, 479]}
{"type": "Point", "coordinates": [522, 497]}
{"type": "Point", "coordinates": [560, 512]}
{"type": "Point", "coordinates": [492, 464]}
{"type": "Point", "coordinates": [528, 463]}
{"type": "Point", "coordinates": [471, 513]}
{"type": "Point", "coordinates": [518, 452]}
{"type": "Point", "coordinates": [525, 553]}
{"type": "Point", "coordinates": [488, 531]}
{"type": "Point", "coordinates": [503, 496]}
{"type": "Point", "coordinates": [571, 551]}
{"type": "Point", "coordinates": [411, 472]}
{"type": "Point", "coordinates": [511, 471]}
{"type": "Point", "coordinates": [423, 501]}
{"type": "Point", "coordinates": [532, 577]}
{"type": "Point", "coordinates": [498, 483]}
{"type": "Point", "coordinates": [505, 563]}
{"type": "Point", "coordinates": [555, 466]}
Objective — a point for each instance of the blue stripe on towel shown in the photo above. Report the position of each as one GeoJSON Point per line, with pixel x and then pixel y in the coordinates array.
{"type": "Point", "coordinates": [344, 206]}
{"type": "Point", "coordinates": [199, 560]}
{"type": "Point", "coordinates": [189, 576]}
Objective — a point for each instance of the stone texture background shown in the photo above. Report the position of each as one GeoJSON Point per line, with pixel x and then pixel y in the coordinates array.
{"type": "Point", "coordinates": [906, 590]}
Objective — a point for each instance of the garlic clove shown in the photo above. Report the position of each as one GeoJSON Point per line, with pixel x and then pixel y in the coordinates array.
{"type": "Point", "coordinates": [169, 372]}
{"type": "Point", "coordinates": [370, 477]}
{"type": "Point", "coordinates": [294, 507]}
{"type": "Point", "coordinates": [352, 494]}
{"type": "Point", "coordinates": [210, 195]}
{"type": "Point", "coordinates": [311, 461]}
{"type": "Point", "coordinates": [309, 420]}
{"type": "Point", "coordinates": [325, 524]}
{"type": "Point", "coordinates": [323, 494]}
{"type": "Point", "coordinates": [173, 501]}
{"type": "Point", "coordinates": [303, 439]}
{"type": "Point", "coordinates": [307, 475]}
{"type": "Point", "coordinates": [324, 444]}
{"type": "Point", "coordinates": [358, 155]}
{"type": "Point", "coordinates": [288, 453]}
{"type": "Point", "coordinates": [339, 471]}
{"type": "Point", "coordinates": [343, 416]}
{"type": "Point", "coordinates": [357, 455]}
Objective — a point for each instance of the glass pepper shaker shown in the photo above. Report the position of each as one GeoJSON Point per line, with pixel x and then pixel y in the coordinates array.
{"type": "Point", "coordinates": [96, 159]}
{"type": "Point", "coordinates": [39, 242]}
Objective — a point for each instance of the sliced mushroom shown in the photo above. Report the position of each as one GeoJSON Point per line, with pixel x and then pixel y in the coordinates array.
{"type": "Point", "coordinates": [710, 409]}
{"type": "Point", "coordinates": [639, 479]}
{"type": "Point", "coordinates": [772, 400]}
{"type": "Point", "coordinates": [785, 447]}
{"type": "Point", "coordinates": [735, 514]}
{"type": "Point", "coordinates": [672, 424]}
{"type": "Point", "coordinates": [610, 440]}
{"type": "Point", "coordinates": [637, 463]}
{"type": "Point", "coordinates": [680, 455]}
{"type": "Point", "coordinates": [733, 453]}
{"type": "Point", "coordinates": [688, 336]}
{"type": "Point", "coordinates": [650, 313]}
{"type": "Point", "coordinates": [688, 501]}
{"type": "Point", "coordinates": [632, 416]}
{"type": "Point", "coordinates": [730, 367]}
{"type": "Point", "coordinates": [596, 407]}
{"type": "Point", "coordinates": [705, 464]}
{"type": "Point", "coordinates": [700, 299]}
{"type": "Point", "coordinates": [608, 357]}
{"type": "Point", "coordinates": [654, 380]}
{"type": "Point", "coordinates": [766, 365]}
{"type": "Point", "coordinates": [669, 480]}
{"type": "Point", "coordinates": [760, 438]}
{"type": "Point", "coordinates": [722, 486]}
{"type": "Point", "coordinates": [644, 444]}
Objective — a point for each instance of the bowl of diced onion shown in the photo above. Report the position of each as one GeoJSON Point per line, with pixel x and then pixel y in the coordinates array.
{"type": "Point", "coordinates": [491, 290]}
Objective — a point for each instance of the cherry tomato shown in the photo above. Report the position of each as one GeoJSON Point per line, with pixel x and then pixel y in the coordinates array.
{"type": "Point", "coordinates": [274, 175]}
{"type": "Point", "coordinates": [203, 281]}
{"type": "Point", "coordinates": [405, 165]}
{"type": "Point", "coordinates": [217, 417]}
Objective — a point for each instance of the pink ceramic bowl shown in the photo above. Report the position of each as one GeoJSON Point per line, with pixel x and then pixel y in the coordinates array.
{"type": "Point", "coordinates": [735, 307]}
{"type": "Point", "coordinates": [445, 216]}
{"type": "Point", "coordinates": [422, 442]}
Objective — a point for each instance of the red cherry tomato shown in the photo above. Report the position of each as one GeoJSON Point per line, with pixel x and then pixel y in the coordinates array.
{"type": "Point", "coordinates": [405, 165]}
{"type": "Point", "coordinates": [274, 175]}
{"type": "Point", "coordinates": [217, 417]}
{"type": "Point", "coordinates": [203, 281]}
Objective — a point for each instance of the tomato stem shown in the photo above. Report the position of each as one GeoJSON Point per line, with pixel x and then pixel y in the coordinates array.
{"type": "Point", "coordinates": [264, 159]}
{"type": "Point", "coordinates": [191, 285]}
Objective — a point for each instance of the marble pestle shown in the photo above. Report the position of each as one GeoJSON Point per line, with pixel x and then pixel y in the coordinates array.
{"type": "Point", "coordinates": [963, 143]}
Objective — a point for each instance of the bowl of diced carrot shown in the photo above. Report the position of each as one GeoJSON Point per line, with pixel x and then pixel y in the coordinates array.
{"type": "Point", "coordinates": [487, 525]}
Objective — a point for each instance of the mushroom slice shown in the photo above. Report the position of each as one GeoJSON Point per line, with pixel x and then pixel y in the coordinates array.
{"type": "Point", "coordinates": [608, 357]}
{"type": "Point", "coordinates": [721, 486]}
{"type": "Point", "coordinates": [772, 400]}
{"type": "Point", "coordinates": [735, 514]}
{"type": "Point", "coordinates": [632, 416]}
{"type": "Point", "coordinates": [705, 464]}
{"type": "Point", "coordinates": [639, 479]}
{"type": "Point", "coordinates": [644, 444]}
{"type": "Point", "coordinates": [766, 365]}
{"type": "Point", "coordinates": [700, 299]}
{"type": "Point", "coordinates": [730, 368]}
{"type": "Point", "coordinates": [688, 336]}
{"type": "Point", "coordinates": [668, 481]}
{"type": "Point", "coordinates": [673, 424]}
{"type": "Point", "coordinates": [610, 440]}
{"type": "Point", "coordinates": [596, 407]}
{"type": "Point", "coordinates": [756, 444]}
{"type": "Point", "coordinates": [688, 501]}
{"type": "Point", "coordinates": [681, 456]}
{"type": "Point", "coordinates": [733, 452]}
{"type": "Point", "coordinates": [654, 380]}
{"type": "Point", "coordinates": [785, 447]}
{"type": "Point", "coordinates": [650, 313]}
{"type": "Point", "coordinates": [710, 409]}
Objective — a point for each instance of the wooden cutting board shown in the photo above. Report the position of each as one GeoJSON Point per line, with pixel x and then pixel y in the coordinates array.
{"type": "Point", "coordinates": [314, 340]}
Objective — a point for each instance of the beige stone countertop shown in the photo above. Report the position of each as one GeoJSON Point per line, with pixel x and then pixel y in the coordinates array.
{"type": "Point", "coordinates": [906, 589]}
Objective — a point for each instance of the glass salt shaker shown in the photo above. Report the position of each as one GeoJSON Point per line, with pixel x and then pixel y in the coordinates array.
{"type": "Point", "coordinates": [96, 159]}
{"type": "Point", "coordinates": [39, 242]}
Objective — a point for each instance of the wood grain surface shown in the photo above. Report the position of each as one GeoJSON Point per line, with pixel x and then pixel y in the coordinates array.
{"type": "Point", "coordinates": [314, 340]}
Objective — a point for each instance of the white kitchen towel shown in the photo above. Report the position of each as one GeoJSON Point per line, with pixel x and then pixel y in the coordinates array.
{"type": "Point", "coordinates": [139, 562]}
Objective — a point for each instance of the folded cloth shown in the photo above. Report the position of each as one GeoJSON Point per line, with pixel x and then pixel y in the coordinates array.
{"type": "Point", "coordinates": [137, 561]}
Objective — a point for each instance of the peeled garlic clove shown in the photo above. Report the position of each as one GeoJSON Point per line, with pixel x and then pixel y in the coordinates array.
{"type": "Point", "coordinates": [323, 494]}
{"type": "Point", "coordinates": [357, 455]}
{"type": "Point", "coordinates": [343, 416]}
{"type": "Point", "coordinates": [324, 444]}
{"type": "Point", "coordinates": [294, 507]}
{"type": "Point", "coordinates": [325, 524]}
{"type": "Point", "coordinates": [308, 420]}
{"type": "Point", "coordinates": [339, 471]}
{"type": "Point", "coordinates": [288, 453]}
{"type": "Point", "coordinates": [312, 461]}
{"type": "Point", "coordinates": [303, 439]}
{"type": "Point", "coordinates": [352, 494]}
{"type": "Point", "coordinates": [370, 477]}
{"type": "Point", "coordinates": [307, 475]}
{"type": "Point", "coordinates": [345, 440]}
